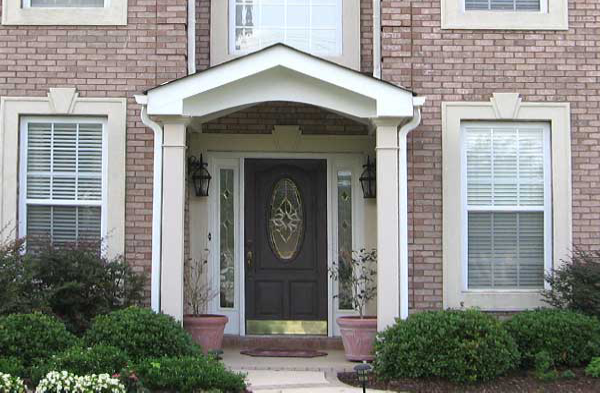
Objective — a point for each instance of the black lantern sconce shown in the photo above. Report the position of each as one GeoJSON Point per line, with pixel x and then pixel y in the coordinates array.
{"type": "Point", "coordinates": [199, 175]}
{"type": "Point", "coordinates": [368, 180]}
{"type": "Point", "coordinates": [363, 373]}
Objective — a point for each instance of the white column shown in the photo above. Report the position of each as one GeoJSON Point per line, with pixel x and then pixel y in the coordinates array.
{"type": "Point", "coordinates": [174, 161]}
{"type": "Point", "coordinates": [388, 222]}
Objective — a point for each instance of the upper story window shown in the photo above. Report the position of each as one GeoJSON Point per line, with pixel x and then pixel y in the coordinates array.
{"type": "Point", "coordinates": [506, 5]}
{"type": "Point", "coordinates": [313, 26]}
{"type": "Point", "coordinates": [64, 12]}
{"type": "Point", "coordinates": [325, 28]}
{"type": "Point", "coordinates": [505, 14]}
{"type": "Point", "coordinates": [64, 3]}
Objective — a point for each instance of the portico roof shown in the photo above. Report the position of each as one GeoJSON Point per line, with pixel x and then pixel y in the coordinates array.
{"type": "Point", "coordinates": [280, 73]}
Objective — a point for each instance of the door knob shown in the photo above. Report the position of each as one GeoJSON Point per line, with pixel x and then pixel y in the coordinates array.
{"type": "Point", "coordinates": [249, 257]}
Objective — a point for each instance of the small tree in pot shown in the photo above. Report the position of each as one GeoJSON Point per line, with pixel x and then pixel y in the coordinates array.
{"type": "Point", "coordinates": [206, 329]}
{"type": "Point", "coordinates": [357, 286]}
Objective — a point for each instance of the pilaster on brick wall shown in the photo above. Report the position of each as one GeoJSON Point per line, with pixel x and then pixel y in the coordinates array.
{"type": "Point", "coordinates": [106, 61]}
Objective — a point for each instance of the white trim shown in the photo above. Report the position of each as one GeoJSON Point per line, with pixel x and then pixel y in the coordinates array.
{"type": "Point", "coordinates": [465, 208]}
{"type": "Point", "coordinates": [23, 200]}
{"type": "Point", "coordinates": [235, 160]}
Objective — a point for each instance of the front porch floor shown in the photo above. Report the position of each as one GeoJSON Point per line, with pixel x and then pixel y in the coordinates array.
{"type": "Point", "coordinates": [301, 375]}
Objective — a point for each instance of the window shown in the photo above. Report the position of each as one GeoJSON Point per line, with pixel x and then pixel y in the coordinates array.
{"type": "Point", "coordinates": [309, 25]}
{"type": "Point", "coordinates": [64, 12]}
{"type": "Point", "coordinates": [64, 3]}
{"type": "Point", "coordinates": [62, 176]}
{"type": "Point", "coordinates": [505, 14]}
{"type": "Point", "coordinates": [344, 237]}
{"type": "Point", "coordinates": [505, 5]}
{"type": "Point", "coordinates": [507, 205]}
{"type": "Point", "coordinates": [227, 237]}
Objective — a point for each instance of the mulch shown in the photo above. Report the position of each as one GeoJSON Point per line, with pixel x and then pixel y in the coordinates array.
{"type": "Point", "coordinates": [514, 383]}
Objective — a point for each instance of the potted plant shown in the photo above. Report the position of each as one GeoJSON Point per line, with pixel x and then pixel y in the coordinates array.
{"type": "Point", "coordinates": [357, 276]}
{"type": "Point", "coordinates": [206, 329]}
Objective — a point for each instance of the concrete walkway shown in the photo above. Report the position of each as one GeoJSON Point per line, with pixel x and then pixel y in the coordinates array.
{"type": "Point", "coordinates": [301, 375]}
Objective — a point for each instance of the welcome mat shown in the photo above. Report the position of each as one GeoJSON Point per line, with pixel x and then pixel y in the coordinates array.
{"type": "Point", "coordinates": [283, 353]}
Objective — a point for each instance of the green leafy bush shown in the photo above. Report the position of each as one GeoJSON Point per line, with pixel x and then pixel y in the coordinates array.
{"type": "Point", "coordinates": [18, 293]}
{"type": "Point", "coordinates": [570, 339]}
{"type": "Point", "coordinates": [142, 334]}
{"type": "Point", "coordinates": [593, 369]}
{"type": "Point", "coordinates": [461, 346]}
{"type": "Point", "coordinates": [100, 359]}
{"type": "Point", "coordinates": [187, 375]}
{"type": "Point", "coordinates": [29, 337]}
{"type": "Point", "coordinates": [575, 284]}
{"type": "Point", "coordinates": [12, 366]}
{"type": "Point", "coordinates": [78, 283]}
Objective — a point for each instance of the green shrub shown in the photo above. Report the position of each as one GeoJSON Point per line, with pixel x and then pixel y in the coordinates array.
{"type": "Point", "coordinates": [593, 369]}
{"type": "Point", "coordinates": [187, 375]}
{"type": "Point", "coordinates": [29, 337]}
{"type": "Point", "coordinates": [12, 366]}
{"type": "Point", "coordinates": [141, 333]}
{"type": "Point", "coordinates": [100, 359]}
{"type": "Point", "coordinates": [461, 346]}
{"type": "Point", "coordinates": [570, 339]}
{"type": "Point", "coordinates": [79, 283]}
{"type": "Point", "coordinates": [575, 284]}
{"type": "Point", "coordinates": [544, 367]}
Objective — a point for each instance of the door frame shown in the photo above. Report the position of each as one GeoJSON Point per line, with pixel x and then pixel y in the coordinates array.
{"type": "Point", "coordinates": [236, 160]}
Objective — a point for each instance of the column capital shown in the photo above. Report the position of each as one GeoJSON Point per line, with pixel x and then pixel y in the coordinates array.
{"type": "Point", "coordinates": [386, 122]}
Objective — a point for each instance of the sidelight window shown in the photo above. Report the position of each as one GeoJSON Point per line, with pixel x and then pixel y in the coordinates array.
{"type": "Point", "coordinates": [344, 237]}
{"type": "Point", "coordinates": [227, 238]}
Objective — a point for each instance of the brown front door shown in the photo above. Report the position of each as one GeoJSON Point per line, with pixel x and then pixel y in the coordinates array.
{"type": "Point", "coordinates": [286, 246]}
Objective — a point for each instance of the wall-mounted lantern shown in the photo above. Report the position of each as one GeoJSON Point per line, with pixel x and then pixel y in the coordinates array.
{"type": "Point", "coordinates": [368, 180]}
{"type": "Point", "coordinates": [199, 175]}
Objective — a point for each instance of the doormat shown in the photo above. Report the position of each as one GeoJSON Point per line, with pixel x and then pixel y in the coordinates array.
{"type": "Point", "coordinates": [283, 353]}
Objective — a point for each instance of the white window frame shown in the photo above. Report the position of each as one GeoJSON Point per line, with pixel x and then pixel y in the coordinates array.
{"type": "Point", "coordinates": [339, 26]}
{"type": "Point", "coordinates": [455, 17]}
{"type": "Point", "coordinates": [547, 208]}
{"type": "Point", "coordinates": [24, 201]}
{"type": "Point", "coordinates": [20, 13]}
{"type": "Point", "coordinates": [27, 4]}
{"type": "Point", "coordinates": [543, 8]}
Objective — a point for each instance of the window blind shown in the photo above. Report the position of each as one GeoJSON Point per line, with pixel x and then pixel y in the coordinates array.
{"type": "Point", "coordinates": [63, 181]}
{"type": "Point", "coordinates": [67, 3]}
{"type": "Point", "coordinates": [503, 5]}
{"type": "Point", "coordinates": [505, 206]}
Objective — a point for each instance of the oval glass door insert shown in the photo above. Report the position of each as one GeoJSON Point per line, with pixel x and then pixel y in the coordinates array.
{"type": "Point", "coordinates": [286, 220]}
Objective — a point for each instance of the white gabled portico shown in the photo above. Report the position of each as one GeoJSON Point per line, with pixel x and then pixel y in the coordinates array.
{"type": "Point", "coordinates": [280, 73]}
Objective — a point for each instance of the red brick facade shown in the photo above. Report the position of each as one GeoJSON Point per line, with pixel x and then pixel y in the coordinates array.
{"type": "Point", "coordinates": [106, 62]}
{"type": "Point", "coordinates": [443, 65]}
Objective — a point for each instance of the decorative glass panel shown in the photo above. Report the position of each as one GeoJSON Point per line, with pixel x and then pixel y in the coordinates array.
{"type": "Point", "coordinates": [313, 26]}
{"type": "Point", "coordinates": [286, 220]}
{"type": "Point", "coordinates": [344, 233]}
{"type": "Point", "coordinates": [227, 237]}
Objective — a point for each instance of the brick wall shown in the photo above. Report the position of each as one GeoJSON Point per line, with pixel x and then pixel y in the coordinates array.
{"type": "Point", "coordinates": [106, 62]}
{"type": "Point", "coordinates": [453, 65]}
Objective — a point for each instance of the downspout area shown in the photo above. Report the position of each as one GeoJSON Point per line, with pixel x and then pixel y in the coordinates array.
{"type": "Point", "coordinates": [156, 203]}
{"type": "Point", "coordinates": [403, 132]}
{"type": "Point", "coordinates": [377, 39]}
{"type": "Point", "coordinates": [191, 37]}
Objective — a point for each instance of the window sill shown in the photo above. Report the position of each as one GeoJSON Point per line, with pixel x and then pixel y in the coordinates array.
{"type": "Point", "coordinates": [453, 17]}
{"type": "Point", "coordinates": [114, 15]}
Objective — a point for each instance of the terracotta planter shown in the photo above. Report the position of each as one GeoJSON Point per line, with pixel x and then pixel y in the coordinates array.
{"type": "Point", "coordinates": [206, 330]}
{"type": "Point", "coordinates": [358, 336]}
